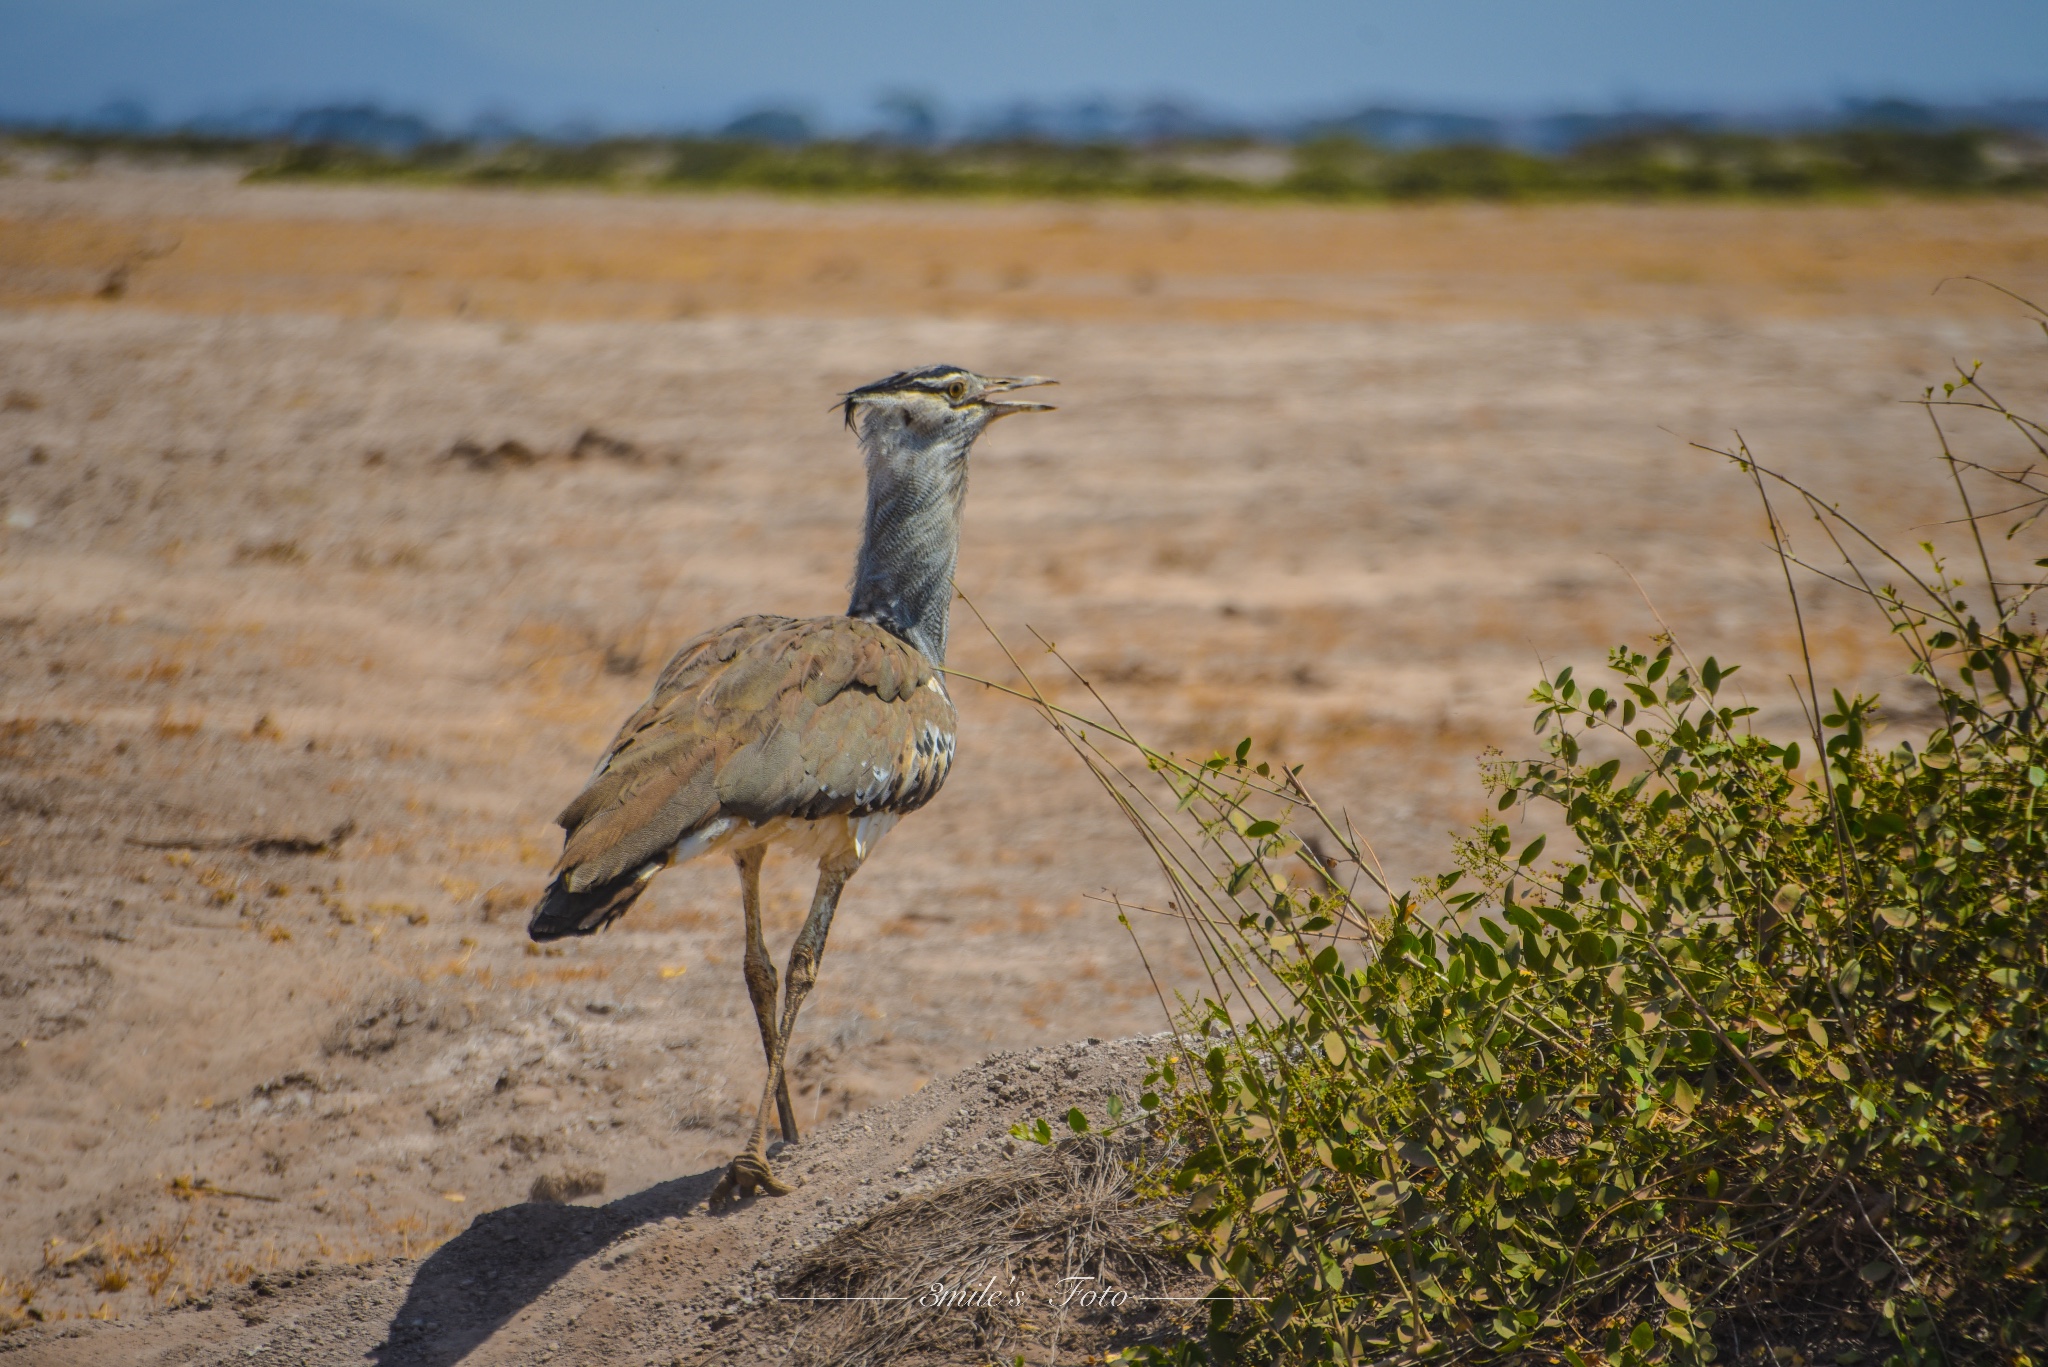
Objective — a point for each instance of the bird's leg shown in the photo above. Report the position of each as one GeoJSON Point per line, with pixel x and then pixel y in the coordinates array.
{"type": "Point", "coordinates": [750, 1169]}
{"type": "Point", "coordinates": [760, 972]}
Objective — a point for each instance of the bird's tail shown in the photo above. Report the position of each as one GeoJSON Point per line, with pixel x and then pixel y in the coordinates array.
{"type": "Point", "coordinates": [563, 911]}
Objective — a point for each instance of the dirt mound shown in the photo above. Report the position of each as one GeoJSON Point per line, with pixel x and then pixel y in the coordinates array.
{"type": "Point", "coordinates": [971, 1242]}
{"type": "Point", "coordinates": [1053, 1248]}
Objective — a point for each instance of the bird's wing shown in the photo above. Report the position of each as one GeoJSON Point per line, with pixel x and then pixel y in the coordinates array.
{"type": "Point", "coordinates": [768, 717]}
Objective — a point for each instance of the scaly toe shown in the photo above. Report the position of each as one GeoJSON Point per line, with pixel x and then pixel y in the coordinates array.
{"type": "Point", "coordinates": [746, 1174]}
{"type": "Point", "coordinates": [754, 1174]}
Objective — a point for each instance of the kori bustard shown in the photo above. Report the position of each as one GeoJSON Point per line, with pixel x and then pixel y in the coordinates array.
{"type": "Point", "coordinates": [815, 733]}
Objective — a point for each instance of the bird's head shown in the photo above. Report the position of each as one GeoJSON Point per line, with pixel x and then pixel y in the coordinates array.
{"type": "Point", "coordinates": [916, 428]}
{"type": "Point", "coordinates": [936, 406]}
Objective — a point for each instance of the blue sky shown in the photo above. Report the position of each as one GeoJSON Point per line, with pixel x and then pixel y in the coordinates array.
{"type": "Point", "coordinates": [667, 62]}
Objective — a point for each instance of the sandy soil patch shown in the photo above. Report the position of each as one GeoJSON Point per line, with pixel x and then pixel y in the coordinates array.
{"type": "Point", "coordinates": [198, 242]}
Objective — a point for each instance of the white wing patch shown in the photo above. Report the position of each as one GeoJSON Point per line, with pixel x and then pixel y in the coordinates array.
{"type": "Point", "coordinates": [876, 785]}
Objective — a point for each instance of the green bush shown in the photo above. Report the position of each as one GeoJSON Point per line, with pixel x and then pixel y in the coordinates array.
{"type": "Point", "coordinates": [1752, 1067]}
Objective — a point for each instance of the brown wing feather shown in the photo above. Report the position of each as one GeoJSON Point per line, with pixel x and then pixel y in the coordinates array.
{"type": "Point", "coordinates": [767, 717]}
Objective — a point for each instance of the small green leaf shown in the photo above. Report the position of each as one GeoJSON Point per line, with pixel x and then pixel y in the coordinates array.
{"type": "Point", "coordinates": [1116, 1108]}
{"type": "Point", "coordinates": [1259, 830]}
{"type": "Point", "coordinates": [1076, 1122]}
{"type": "Point", "coordinates": [1333, 1048]}
{"type": "Point", "coordinates": [1529, 852]}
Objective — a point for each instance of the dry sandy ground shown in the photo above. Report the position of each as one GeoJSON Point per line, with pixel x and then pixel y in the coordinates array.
{"type": "Point", "coordinates": [1337, 480]}
{"type": "Point", "coordinates": [655, 1277]}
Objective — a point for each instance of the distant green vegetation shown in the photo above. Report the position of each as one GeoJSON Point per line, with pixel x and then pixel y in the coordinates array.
{"type": "Point", "coordinates": [1674, 164]}
{"type": "Point", "coordinates": [1338, 168]}
{"type": "Point", "coordinates": [1680, 165]}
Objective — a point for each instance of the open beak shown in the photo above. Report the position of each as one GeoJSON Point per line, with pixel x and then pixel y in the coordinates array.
{"type": "Point", "coordinates": [1004, 384]}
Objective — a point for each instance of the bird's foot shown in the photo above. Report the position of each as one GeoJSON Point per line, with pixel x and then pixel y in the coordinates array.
{"type": "Point", "coordinates": [746, 1174]}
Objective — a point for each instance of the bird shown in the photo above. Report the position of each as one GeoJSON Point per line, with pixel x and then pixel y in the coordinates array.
{"type": "Point", "coordinates": [814, 734]}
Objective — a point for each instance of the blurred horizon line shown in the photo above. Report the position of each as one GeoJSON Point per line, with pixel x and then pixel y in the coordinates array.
{"type": "Point", "coordinates": [908, 120]}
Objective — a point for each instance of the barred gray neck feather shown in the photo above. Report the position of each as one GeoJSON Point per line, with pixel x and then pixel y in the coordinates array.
{"type": "Point", "coordinates": [917, 486]}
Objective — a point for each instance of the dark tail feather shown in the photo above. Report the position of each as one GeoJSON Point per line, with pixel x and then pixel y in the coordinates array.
{"type": "Point", "coordinates": [561, 912]}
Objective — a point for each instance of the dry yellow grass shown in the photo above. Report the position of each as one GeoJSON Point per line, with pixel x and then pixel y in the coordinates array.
{"type": "Point", "coordinates": [527, 257]}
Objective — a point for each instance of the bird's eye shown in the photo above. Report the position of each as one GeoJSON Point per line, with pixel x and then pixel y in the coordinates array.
{"type": "Point", "coordinates": [957, 390]}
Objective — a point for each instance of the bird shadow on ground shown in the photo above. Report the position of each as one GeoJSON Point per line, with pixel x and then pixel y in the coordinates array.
{"type": "Point", "coordinates": [505, 1261]}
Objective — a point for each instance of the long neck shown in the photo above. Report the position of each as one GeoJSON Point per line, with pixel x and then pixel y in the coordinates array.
{"type": "Point", "coordinates": [903, 578]}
